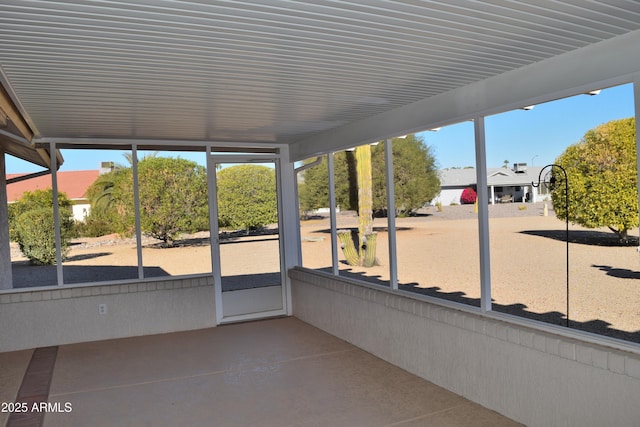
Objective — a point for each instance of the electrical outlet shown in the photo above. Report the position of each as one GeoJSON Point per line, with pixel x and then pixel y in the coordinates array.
{"type": "Point", "coordinates": [102, 308]}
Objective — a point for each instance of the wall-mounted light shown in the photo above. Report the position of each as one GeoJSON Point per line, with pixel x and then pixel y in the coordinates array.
{"type": "Point", "coordinates": [528, 107]}
{"type": "Point", "coordinates": [594, 92]}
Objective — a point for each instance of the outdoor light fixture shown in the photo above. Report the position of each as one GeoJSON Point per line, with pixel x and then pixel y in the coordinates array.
{"type": "Point", "coordinates": [528, 107]}
{"type": "Point", "coordinates": [594, 92]}
{"type": "Point", "coordinates": [552, 181]}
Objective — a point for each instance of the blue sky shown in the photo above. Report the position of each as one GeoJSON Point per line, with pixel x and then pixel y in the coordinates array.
{"type": "Point", "coordinates": [535, 137]}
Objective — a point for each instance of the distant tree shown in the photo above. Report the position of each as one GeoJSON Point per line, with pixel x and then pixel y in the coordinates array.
{"type": "Point", "coordinates": [311, 193]}
{"type": "Point", "coordinates": [31, 224]}
{"type": "Point", "coordinates": [415, 176]}
{"type": "Point", "coordinates": [313, 189]}
{"type": "Point", "coordinates": [602, 177]}
{"type": "Point", "coordinates": [247, 197]}
{"type": "Point", "coordinates": [173, 198]}
{"type": "Point", "coordinates": [505, 164]}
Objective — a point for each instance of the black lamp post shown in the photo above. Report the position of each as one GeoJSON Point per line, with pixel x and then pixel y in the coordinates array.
{"type": "Point", "coordinates": [552, 182]}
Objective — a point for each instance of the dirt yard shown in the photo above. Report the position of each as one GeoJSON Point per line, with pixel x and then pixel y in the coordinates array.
{"type": "Point", "coordinates": [437, 256]}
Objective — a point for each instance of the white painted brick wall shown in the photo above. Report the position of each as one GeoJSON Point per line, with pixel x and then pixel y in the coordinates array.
{"type": "Point", "coordinates": [530, 374]}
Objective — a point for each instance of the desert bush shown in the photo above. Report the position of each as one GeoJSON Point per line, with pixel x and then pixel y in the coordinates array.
{"type": "Point", "coordinates": [94, 226]}
{"type": "Point", "coordinates": [31, 225]}
{"type": "Point", "coordinates": [39, 199]}
{"type": "Point", "coordinates": [35, 229]}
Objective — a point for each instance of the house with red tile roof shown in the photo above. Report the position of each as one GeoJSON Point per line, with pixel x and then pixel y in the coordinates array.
{"type": "Point", "coordinates": [73, 183]}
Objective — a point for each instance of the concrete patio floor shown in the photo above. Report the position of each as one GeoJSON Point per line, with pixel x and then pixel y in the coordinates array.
{"type": "Point", "coordinates": [279, 372]}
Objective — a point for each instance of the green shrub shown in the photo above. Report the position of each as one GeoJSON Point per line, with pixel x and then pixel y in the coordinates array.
{"type": "Point", "coordinates": [39, 199]}
{"type": "Point", "coordinates": [36, 237]}
{"type": "Point", "coordinates": [173, 198]}
{"type": "Point", "coordinates": [247, 197]}
{"type": "Point", "coordinates": [94, 226]}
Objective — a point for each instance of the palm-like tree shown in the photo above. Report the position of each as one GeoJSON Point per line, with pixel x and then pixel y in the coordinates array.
{"type": "Point", "coordinates": [101, 193]}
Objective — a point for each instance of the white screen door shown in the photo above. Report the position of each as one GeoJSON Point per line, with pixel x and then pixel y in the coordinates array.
{"type": "Point", "coordinates": [247, 252]}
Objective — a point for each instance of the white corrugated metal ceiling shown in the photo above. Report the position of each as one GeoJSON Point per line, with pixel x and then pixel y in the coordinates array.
{"type": "Point", "coordinates": [269, 71]}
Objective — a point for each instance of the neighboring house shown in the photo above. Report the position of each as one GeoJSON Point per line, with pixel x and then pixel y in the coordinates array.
{"type": "Point", "coordinates": [73, 183]}
{"type": "Point", "coordinates": [501, 182]}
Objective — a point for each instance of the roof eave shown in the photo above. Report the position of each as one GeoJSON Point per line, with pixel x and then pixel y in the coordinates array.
{"type": "Point", "coordinates": [17, 134]}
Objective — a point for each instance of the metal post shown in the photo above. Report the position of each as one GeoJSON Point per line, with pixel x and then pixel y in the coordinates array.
{"type": "Point", "coordinates": [483, 215]}
{"type": "Point", "coordinates": [332, 214]}
{"type": "Point", "coordinates": [391, 215]}
{"type": "Point", "coordinates": [56, 212]}
{"type": "Point", "coordinates": [136, 208]}
{"type": "Point", "coordinates": [6, 278]}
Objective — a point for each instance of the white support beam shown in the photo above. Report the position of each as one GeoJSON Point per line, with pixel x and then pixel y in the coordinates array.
{"type": "Point", "coordinates": [391, 215]}
{"type": "Point", "coordinates": [596, 66]}
{"type": "Point", "coordinates": [56, 212]}
{"type": "Point", "coordinates": [136, 209]}
{"type": "Point", "coordinates": [214, 240]}
{"type": "Point", "coordinates": [165, 144]}
{"type": "Point", "coordinates": [289, 222]}
{"type": "Point", "coordinates": [6, 277]}
{"type": "Point", "coordinates": [483, 214]}
{"type": "Point", "coordinates": [332, 214]}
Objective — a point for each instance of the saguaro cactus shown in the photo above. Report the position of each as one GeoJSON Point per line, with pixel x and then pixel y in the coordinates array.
{"type": "Point", "coordinates": [365, 254]}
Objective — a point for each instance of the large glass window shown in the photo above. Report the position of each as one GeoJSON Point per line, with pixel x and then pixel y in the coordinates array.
{"type": "Point", "coordinates": [437, 219]}
{"type": "Point", "coordinates": [31, 220]}
{"type": "Point", "coordinates": [98, 185]}
{"type": "Point", "coordinates": [592, 138]}
{"type": "Point", "coordinates": [174, 213]}
{"type": "Point", "coordinates": [97, 218]}
{"type": "Point", "coordinates": [315, 224]}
